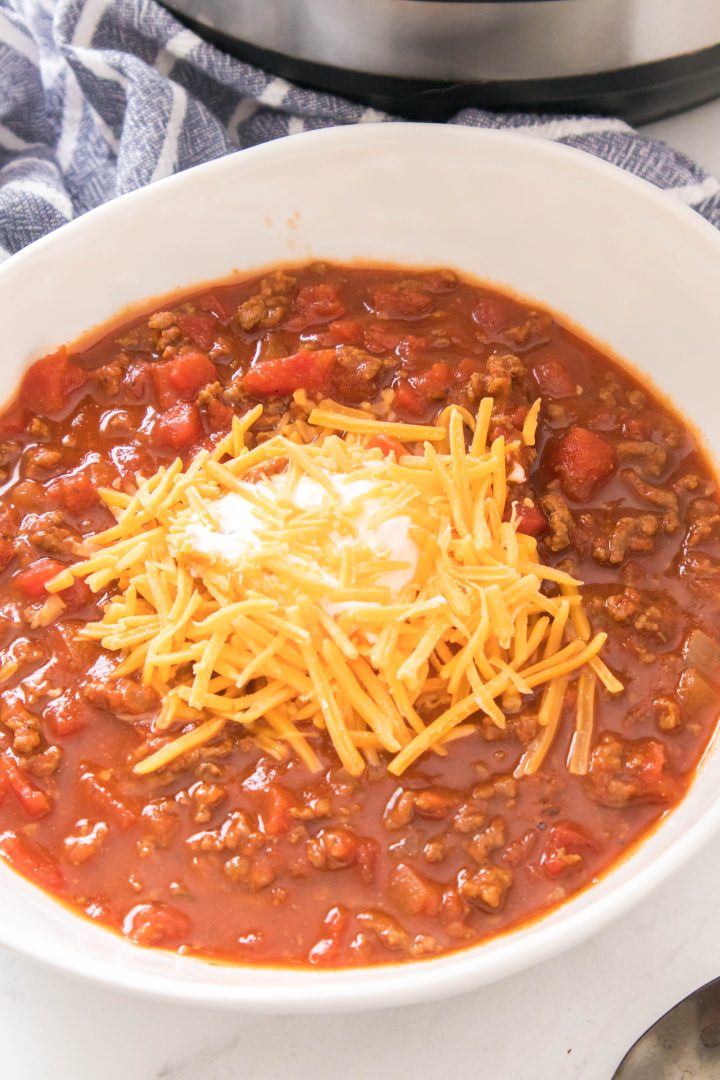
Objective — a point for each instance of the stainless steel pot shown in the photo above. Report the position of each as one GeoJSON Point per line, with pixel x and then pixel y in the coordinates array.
{"type": "Point", "coordinates": [540, 52]}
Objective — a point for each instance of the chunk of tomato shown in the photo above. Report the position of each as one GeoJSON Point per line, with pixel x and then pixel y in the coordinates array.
{"type": "Point", "coordinates": [180, 379]}
{"type": "Point", "coordinates": [387, 444]}
{"type": "Point", "coordinates": [493, 314]}
{"type": "Point", "coordinates": [529, 518]}
{"type": "Point", "coordinates": [177, 427]}
{"type": "Point", "coordinates": [304, 370]}
{"type": "Point", "coordinates": [33, 578]}
{"type": "Point", "coordinates": [76, 490]}
{"type": "Point", "coordinates": [564, 848]}
{"type": "Point", "coordinates": [408, 400]}
{"type": "Point", "coordinates": [582, 460]}
{"type": "Point", "coordinates": [433, 384]}
{"type": "Point", "coordinates": [200, 328]}
{"type": "Point", "coordinates": [315, 304]}
{"type": "Point", "coordinates": [31, 860]}
{"type": "Point", "coordinates": [33, 800]}
{"type": "Point", "coordinates": [554, 380]}
{"type": "Point", "coordinates": [49, 382]}
{"type": "Point", "coordinates": [401, 302]}
{"type": "Point", "coordinates": [344, 332]}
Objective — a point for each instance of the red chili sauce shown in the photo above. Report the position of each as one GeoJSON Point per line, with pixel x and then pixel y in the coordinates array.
{"type": "Point", "coordinates": [235, 855]}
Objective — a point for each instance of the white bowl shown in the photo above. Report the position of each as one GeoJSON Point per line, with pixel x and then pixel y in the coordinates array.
{"type": "Point", "coordinates": [619, 257]}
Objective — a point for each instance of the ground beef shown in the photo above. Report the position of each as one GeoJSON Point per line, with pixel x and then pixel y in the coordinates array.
{"type": "Point", "coordinates": [123, 696]}
{"type": "Point", "coordinates": [651, 456]}
{"type": "Point", "coordinates": [656, 496]}
{"type": "Point", "coordinates": [49, 533]}
{"type": "Point", "coordinates": [560, 520]}
{"type": "Point", "coordinates": [487, 887]}
{"type": "Point", "coordinates": [634, 535]}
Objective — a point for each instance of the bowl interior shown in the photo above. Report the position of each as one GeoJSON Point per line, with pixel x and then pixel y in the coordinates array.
{"type": "Point", "coordinates": [618, 257]}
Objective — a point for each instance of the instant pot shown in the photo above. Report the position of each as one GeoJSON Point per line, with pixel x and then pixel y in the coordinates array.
{"type": "Point", "coordinates": [641, 59]}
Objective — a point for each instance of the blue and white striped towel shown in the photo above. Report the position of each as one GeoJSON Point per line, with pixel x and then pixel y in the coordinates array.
{"type": "Point", "coordinates": [98, 97]}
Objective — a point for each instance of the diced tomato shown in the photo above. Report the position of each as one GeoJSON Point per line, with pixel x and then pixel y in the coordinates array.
{"type": "Point", "coordinates": [156, 923]}
{"type": "Point", "coordinates": [220, 306]}
{"type": "Point", "coordinates": [219, 414]}
{"type": "Point", "coordinates": [31, 860]}
{"type": "Point", "coordinates": [275, 814]}
{"type": "Point", "coordinates": [7, 550]}
{"type": "Point", "coordinates": [49, 382]}
{"type": "Point", "coordinates": [77, 595]}
{"type": "Point", "coordinates": [468, 366]}
{"type": "Point", "coordinates": [493, 314]}
{"type": "Point", "coordinates": [408, 400]}
{"type": "Point", "coordinates": [582, 460]}
{"type": "Point", "coordinates": [554, 380]}
{"type": "Point", "coordinates": [343, 332]}
{"type": "Point", "coordinates": [34, 801]}
{"type": "Point", "coordinates": [529, 518]}
{"type": "Point", "coordinates": [413, 894]}
{"type": "Point", "coordinates": [63, 715]}
{"type": "Point", "coordinates": [401, 302]}
{"type": "Point", "coordinates": [180, 379]}
{"type": "Point", "coordinates": [13, 421]}
{"type": "Point", "coordinates": [564, 848]}
{"type": "Point", "coordinates": [200, 328]}
{"type": "Point", "coordinates": [433, 384]}
{"type": "Point", "coordinates": [387, 444]}
{"type": "Point", "coordinates": [130, 459]}
{"type": "Point", "coordinates": [378, 339]}
{"type": "Point", "coordinates": [315, 304]}
{"type": "Point", "coordinates": [75, 489]}
{"type": "Point", "coordinates": [33, 578]}
{"type": "Point", "coordinates": [105, 793]}
{"type": "Point", "coordinates": [305, 370]}
{"type": "Point", "coordinates": [326, 949]}
{"type": "Point", "coordinates": [178, 427]}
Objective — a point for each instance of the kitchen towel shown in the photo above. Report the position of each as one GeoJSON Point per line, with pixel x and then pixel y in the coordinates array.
{"type": "Point", "coordinates": [99, 97]}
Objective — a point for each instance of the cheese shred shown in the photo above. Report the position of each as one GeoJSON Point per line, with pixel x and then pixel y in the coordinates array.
{"type": "Point", "coordinates": [394, 619]}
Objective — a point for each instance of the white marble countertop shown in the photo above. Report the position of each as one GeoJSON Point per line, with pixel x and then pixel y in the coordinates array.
{"type": "Point", "coordinates": [571, 1018]}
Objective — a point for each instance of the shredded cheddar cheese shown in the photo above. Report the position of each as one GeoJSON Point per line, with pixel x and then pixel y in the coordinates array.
{"type": "Point", "coordinates": [385, 600]}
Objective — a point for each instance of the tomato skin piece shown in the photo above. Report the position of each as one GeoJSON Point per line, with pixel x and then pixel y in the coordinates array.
{"type": "Point", "coordinates": [33, 578]}
{"type": "Point", "coordinates": [49, 382]}
{"type": "Point", "coordinates": [388, 444]}
{"type": "Point", "coordinates": [582, 460]}
{"type": "Point", "coordinates": [177, 427]}
{"type": "Point", "coordinates": [31, 860]}
{"type": "Point", "coordinates": [564, 848]}
{"type": "Point", "coordinates": [304, 370]}
{"type": "Point", "coordinates": [33, 800]}
{"type": "Point", "coordinates": [528, 519]}
{"type": "Point", "coordinates": [554, 380]}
